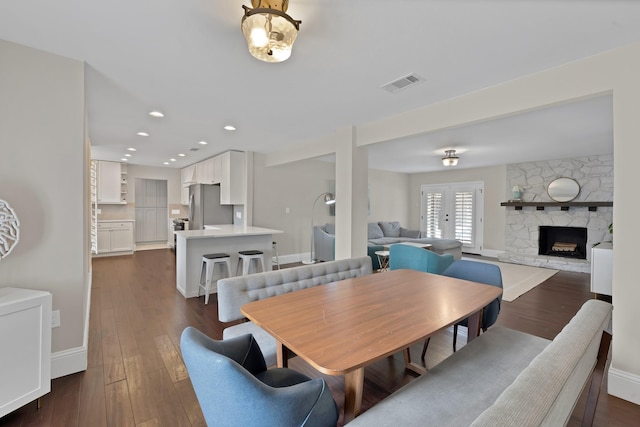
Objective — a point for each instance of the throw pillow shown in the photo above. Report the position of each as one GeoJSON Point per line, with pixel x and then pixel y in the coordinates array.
{"type": "Point", "coordinates": [390, 228]}
{"type": "Point", "coordinates": [413, 234]}
{"type": "Point", "coordinates": [374, 231]}
{"type": "Point", "coordinates": [330, 228]}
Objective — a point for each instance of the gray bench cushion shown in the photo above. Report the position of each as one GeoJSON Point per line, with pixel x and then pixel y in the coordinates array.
{"type": "Point", "coordinates": [234, 292]}
{"type": "Point", "coordinates": [462, 386]}
{"type": "Point", "coordinates": [546, 392]}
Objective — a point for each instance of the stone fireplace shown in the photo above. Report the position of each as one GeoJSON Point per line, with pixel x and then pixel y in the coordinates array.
{"type": "Point", "coordinates": [523, 227]}
{"type": "Point", "coordinates": [567, 242]}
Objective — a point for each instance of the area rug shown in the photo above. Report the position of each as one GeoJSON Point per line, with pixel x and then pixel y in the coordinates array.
{"type": "Point", "coordinates": [518, 279]}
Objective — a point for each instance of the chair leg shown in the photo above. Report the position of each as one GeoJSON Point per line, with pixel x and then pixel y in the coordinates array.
{"type": "Point", "coordinates": [455, 336]}
{"type": "Point", "coordinates": [424, 348]}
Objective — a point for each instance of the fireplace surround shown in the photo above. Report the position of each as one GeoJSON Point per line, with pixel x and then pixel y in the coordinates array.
{"type": "Point", "coordinates": [566, 242]}
{"type": "Point", "coordinates": [522, 227]}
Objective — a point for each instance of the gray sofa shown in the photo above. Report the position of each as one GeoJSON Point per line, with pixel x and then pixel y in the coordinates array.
{"type": "Point", "coordinates": [502, 378]}
{"type": "Point", "coordinates": [234, 292]}
{"type": "Point", "coordinates": [380, 234]}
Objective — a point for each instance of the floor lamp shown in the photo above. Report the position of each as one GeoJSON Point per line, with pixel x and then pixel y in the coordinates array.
{"type": "Point", "coordinates": [329, 199]}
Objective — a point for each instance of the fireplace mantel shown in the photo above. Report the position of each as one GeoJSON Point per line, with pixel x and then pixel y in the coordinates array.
{"type": "Point", "coordinates": [593, 206]}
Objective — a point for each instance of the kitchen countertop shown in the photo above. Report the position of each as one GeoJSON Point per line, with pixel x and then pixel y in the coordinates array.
{"type": "Point", "coordinates": [226, 230]}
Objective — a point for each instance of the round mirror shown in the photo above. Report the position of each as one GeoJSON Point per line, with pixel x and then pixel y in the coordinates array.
{"type": "Point", "coordinates": [563, 189]}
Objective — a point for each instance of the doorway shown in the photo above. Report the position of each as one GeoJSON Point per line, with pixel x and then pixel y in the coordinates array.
{"type": "Point", "coordinates": [453, 211]}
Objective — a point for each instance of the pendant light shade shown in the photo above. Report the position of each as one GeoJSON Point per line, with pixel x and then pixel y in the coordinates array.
{"type": "Point", "coordinates": [450, 158]}
{"type": "Point", "coordinates": [269, 31]}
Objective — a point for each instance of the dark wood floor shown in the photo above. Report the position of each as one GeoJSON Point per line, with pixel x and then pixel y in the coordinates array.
{"type": "Point", "coordinates": [136, 376]}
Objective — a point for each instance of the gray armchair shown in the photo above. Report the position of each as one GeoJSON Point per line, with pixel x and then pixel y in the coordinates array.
{"type": "Point", "coordinates": [234, 387]}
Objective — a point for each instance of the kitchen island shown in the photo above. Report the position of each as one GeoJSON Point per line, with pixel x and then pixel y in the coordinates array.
{"type": "Point", "coordinates": [227, 238]}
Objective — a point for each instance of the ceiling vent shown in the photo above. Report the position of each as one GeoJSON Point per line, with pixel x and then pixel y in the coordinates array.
{"type": "Point", "coordinates": [402, 83]}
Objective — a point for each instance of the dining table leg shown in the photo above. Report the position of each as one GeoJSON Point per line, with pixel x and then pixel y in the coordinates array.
{"type": "Point", "coordinates": [353, 385]}
{"type": "Point", "coordinates": [473, 325]}
{"type": "Point", "coordinates": [282, 355]}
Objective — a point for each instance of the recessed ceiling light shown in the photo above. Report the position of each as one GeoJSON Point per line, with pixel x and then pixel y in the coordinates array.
{"type": "Point", "coordinates": [182, 155]}
{"type": "Point", "coordinates": [143, 134]}
{"type": "Point", "coordinates": [229, 128]}
{"type": "Point", "coordinates": [124, 159]}
{"type": "Point", "coordinates": [173, 160]}
{"type": "Point", "coordinates": [131, 149]}
{"type": "Point", "coordinates": [156, 114]}
{"type": "Point", "coordinates": [202, 142]}
{"type": "Point", "coordinates": [127, 155]}
{"type": "Point", "coordinates": [165, 163]}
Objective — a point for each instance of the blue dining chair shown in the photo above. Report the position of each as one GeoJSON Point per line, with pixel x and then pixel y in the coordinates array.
{"type": "Point", "coordinates": [415, 258]}
{"type": "Point", "coordinates": [235, 388]}
{"type": "Point", "coordinates": [480, 272]}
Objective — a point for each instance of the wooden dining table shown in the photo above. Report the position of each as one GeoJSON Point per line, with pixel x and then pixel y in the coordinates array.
{"type": "Point", "coordinates": [341, 327]}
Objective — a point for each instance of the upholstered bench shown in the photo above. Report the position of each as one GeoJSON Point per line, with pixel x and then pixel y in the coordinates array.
{"type": "Point", "coordinates": [234, 292]}
{"type": "Point", "coordinates": [502, 378]}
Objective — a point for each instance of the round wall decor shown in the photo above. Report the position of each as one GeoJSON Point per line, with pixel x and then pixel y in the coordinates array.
{"type": "Point", "coordinates": [9, 229]}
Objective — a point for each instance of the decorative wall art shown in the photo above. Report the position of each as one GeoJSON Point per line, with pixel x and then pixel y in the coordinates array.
{"type": "Point", "coordinates": [9, 229]}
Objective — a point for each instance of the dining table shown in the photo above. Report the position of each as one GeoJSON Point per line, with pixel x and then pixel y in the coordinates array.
{"type": "Point", "coordinates": [341, 327]}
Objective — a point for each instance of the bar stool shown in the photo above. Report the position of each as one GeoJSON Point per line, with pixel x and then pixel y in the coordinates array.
{"type": "Point", "coordinates": [245, 258]}
{"type": "Point", "coordinates": [274, 246]}
{"type": "Point", "coordinates": [209, 262]}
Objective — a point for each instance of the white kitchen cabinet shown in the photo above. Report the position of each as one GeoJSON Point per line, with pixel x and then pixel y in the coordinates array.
{"type": "Point", "coordinates": [115, 237]}
{"type": "Point", "coordinates": [112, 183]}
{"type": "Point", "coordinates": [205, 171]}
{"type": "Point", "coordinates": [25, 359]}
{"type": "Point", "coordinates": [186, 177]}
{"type": "Point", "coordinates": [232, 178]}
{"type": "Point", "coordinates": [602, 268]}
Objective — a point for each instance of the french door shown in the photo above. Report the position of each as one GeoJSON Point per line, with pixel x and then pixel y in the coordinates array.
{"type": "Point", "coordinates": [453, 211]}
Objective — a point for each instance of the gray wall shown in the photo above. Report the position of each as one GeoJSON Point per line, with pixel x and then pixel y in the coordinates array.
{"type": "Point", "coordinates": [44, 177]}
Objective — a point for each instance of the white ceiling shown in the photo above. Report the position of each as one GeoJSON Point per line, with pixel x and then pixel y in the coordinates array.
{"type": "Point", "coordinates": [189, 59]}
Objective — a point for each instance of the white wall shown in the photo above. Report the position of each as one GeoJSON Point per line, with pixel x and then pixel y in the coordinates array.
{"type": "Point", "coordinates": [389, 197]}
{"type": "Point", "coordinates": [296, 185]}
{"type": "Point", "coordinates": [43, 176]}
{"type": "Point", "coordinates": [494, 179]}
{"type": "Point", "coordinates": [171, 175]}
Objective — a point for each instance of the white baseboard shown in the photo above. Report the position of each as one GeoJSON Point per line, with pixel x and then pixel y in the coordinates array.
{"type": "Point", "coordinates": [624, 385]}
{"type": "Point", "coordinates": [291, 258]}
{"type": "Point", "coordinates": [492, 253]}
{"type": "Point", "coordinates": [68, 362]}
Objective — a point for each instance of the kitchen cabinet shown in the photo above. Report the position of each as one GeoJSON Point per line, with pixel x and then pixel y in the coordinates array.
{"type": "Point", "coordinates": [151, 210]}
{"type": "Point", "coordinates": [25, 359]}
{"type": "Point", "coordinates": [186, 179]}
{"type": "Point", "coordinates": [232, 178]}
{"type": "Point", "coordinates": [602, 268]}
{"type": "Point", "coordinates": [115, 237]}
{"type": "Point", "coordinates": [112, 182]}
{"type": "Point", "coordinates": [205, 171]}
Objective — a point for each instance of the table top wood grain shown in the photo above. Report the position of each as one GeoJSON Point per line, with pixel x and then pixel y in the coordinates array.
{"type": "Point", "coordinates": [346, 325]}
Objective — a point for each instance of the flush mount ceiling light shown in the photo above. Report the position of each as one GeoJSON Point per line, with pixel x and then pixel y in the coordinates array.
{"type": "Point", "coordinates": [269, 31]}
{"type": "Point", "coordinates": [450, 158]}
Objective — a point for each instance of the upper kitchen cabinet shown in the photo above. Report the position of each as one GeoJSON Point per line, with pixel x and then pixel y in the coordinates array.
{"type": "Point", "coordinates": [112, 182]}
{"type": "Point", "coordinates": [205, 173]}
{"type": "Point", "coordinates": [232, 178]}
{"type": "Point", "coordinates": [187, 177]}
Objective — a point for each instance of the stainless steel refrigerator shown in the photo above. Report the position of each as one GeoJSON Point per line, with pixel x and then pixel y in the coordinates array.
{"type": "Point", "coordinates": [205, 207]}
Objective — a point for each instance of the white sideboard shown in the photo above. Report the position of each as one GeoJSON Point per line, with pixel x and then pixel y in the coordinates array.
{"type": "Point", "coordinates": [25, 358]}
{"type": "Point", "coordinates": [602, 268]}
